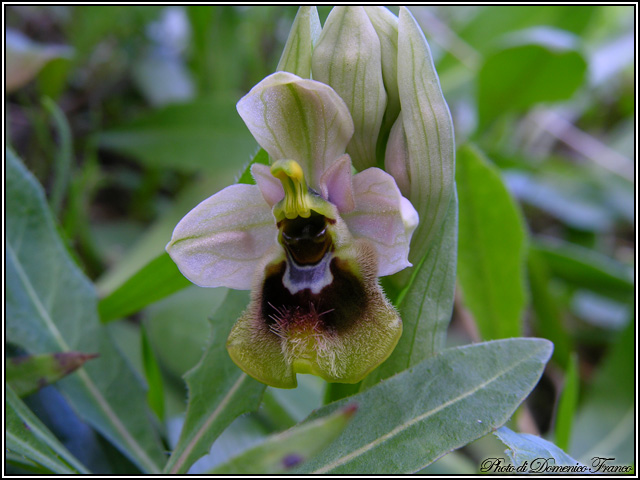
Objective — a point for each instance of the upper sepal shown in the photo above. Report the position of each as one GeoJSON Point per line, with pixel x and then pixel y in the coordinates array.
{"type": "Point", "coordinates": [299, 119]}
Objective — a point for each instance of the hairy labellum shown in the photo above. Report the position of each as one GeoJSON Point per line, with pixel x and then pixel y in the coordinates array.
{"type": "Point", "coordinates": [339, 333]}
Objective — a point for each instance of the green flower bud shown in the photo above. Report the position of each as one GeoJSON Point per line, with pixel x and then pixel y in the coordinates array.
{"type": "Point", "coordinates": [305, 31]}
{"type": "Point", "coordinates": [386, 26]}
{"type": "Point", "coordinates": [348, 58]}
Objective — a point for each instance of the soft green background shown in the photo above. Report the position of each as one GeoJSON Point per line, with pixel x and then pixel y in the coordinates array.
{"type": "Point", "coordinates": [114, 140]}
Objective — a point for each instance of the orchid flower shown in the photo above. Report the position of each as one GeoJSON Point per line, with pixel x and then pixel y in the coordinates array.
{"type": "Point", "coordinates": [309, 240]}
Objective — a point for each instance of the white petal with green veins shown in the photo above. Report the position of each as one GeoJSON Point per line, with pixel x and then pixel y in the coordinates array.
{"type": "Point", "coordinates": [220, 242]}
{"type": "Point", "coordinates": [298, 119]}
{"type": "Point", "coordinates": [348, 58]}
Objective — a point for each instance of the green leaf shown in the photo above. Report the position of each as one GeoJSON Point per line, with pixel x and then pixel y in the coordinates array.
{"type": "Point", "coordinates": [179, 344]}
{"type": "Point", "coordinates": [426, 304]}
{"type": "Point", "coordinates": [201, 19]}
{"type": "Point", "coordinates": [599, 311]}
{"type": "Point", "coordinates": [549, 320]}
{"type": "Point", "coordinates": [429, 130]}
{"type": "Point", "coordinates": [296, 56]}
{"type": "Point", "coordinates": [152, 244]}
{"type": "Point", "coordinates": [29, 440]}
{"type": "Point", "coordinates": [204, 135]}
{"type": "Point", "coordinates": [52, 79]}
{"type": "Point", "coordinates": [453, 463]}
{"type": "Point", "coordinates": [574, 204]}
{"type": "Point", "coordinates": [90, 25]}
{"type": "Point", "coordinates": [280, 453]}
{"type": "Point", "coordinates": [52, 307]}
{"type": "Point", "coordinates": [155, 392]}
{"type": "Point", "coordinates": [29, 373]}
{"type": "Point", "coordinates": [567, 404]}
{"type": "Point", "coordinates": [604, 424]}
{"type": "Point", "coordinates": [537, 453]}
{"type": "Point", "coordinates": [493, 21]}
{"type": "Point", "coordinates": [336, 391]}
{"type": "Point", "coordinates": [260, 157]}
{"type": "Point", "coordinates": [491, 247]}
{"type": "Point", "coordinates": [25, 58]}
{"type": "Point", "coordinates": [218, 390]}
{"type": "Point", "coordinates": [299, 402]}
{"type": "Point", "coordinates": [156, 280]}
{"type": "Point", "coordinates": [64, 155]}
{"type": "Point", "coordinates": [521, 76]}
{"type": "Point", "coordinates": [434, 407]}
{"type": "Point", "coordinates": [586, 268]}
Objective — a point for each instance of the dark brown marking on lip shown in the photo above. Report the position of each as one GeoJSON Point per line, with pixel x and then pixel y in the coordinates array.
{"type": "Point", "coordinates": [337, 307]}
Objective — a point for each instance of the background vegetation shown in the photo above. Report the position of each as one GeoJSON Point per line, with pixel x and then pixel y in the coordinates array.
{"type": "Point", "coordinates": [126, 117]}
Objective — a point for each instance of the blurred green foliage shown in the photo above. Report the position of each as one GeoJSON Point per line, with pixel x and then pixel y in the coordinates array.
{"type": "Point", "coordinates": [139, 124]}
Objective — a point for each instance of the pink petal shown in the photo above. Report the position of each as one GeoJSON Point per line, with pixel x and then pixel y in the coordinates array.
{"type": "Point", "coordinates": [335, 184]}
{"type": "Point", "coordinates": [270, 186]}
{"type": "Point", "coordinates": [220, 242]}
{"type": "Point", "coordinates": [382, 217]}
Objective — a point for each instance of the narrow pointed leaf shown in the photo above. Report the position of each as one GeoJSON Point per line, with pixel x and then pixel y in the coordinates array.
{"type": "Point", "coordinates": [155, 389]}
{"type": "Point", "coordinates": [204, 135]}
{"type": "Point", "coordinates": [160, 277]}
{"type": "Point", "coordinates": [296, 56]}
{"type": "Point", "coordinates": [429, 130]}
{"type": "Point", "coordinates": [491, 248]}
{"type": "Point", "coordinates": [281, 452]}
{"type": "Point", "coordinates": [432, 408]}
{"type": "Point", "coordinates": [604, 423]}
{"type": "Point", "coordinates": [218, 391]}
{"type": "Point", "coordinates": [156, 280]}
{"type": "Point", "coordinates": [538, 453]}
{"type": "Point", "coordinates": [29, 373]}
{"type": "Point", "coordinates": [549, 320]}
{"type": "Point", "coordinates": [63, 157]}
{"type": "Point", "coordinates": [567, 404]}
{"type": "Point", "coordinates": [28, 439]}
{"type": "Point", "coordinates": [585, 268]}
{"type": "Point", "coordinates": [52, 307]}
{"type": "Point", "coordinates": [426, 304]}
